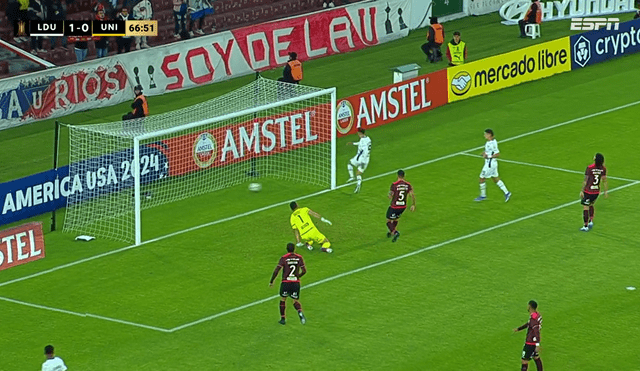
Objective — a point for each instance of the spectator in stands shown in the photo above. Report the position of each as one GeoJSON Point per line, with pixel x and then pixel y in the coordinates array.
{"type": "Point", "coordinates": [37, 11]}
{"type": "Point", "coordinates": [124, 42]}
{"type": "Point", "coordinates": [139, 105]}
{"type": "Point", "coordinates": [57, 12]}
{"type": "Point", "coordinates": [142, 11]}
{"type": "Point", "coordinates": [534, 15]}
{"type": "Point", "coordinates": [198, 9]}
{"type": "Point", "coordinates": [108, 6]}
{"type": "Point", "coordinates": [179, 15]}
{"type": "Point", "coordinates": [638, 11]}
{"type": "Point", "coordinates": [292, 72]}
{"type": "Point", "coordinates": [435, 38]}
{"type": "Point", "coordinates": [13, 15]}
{"type": "Point", "coordinates": [456, 50]}
{"type": "Point", "coordinates": [80, 48]}
{"type": "Point", "coordinates": [102, 42]}
{"type": "Point", "coordinates": [328, 3]}
{"type": "Point", "coordinates": [23, 14]}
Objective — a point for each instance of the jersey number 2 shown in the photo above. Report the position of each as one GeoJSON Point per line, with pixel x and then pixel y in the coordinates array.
{"type": "Point", "coordinates": [292, 273]}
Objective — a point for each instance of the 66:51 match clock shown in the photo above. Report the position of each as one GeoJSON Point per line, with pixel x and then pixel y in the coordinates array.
{"type": "Point", "coordinates": [142, 28]}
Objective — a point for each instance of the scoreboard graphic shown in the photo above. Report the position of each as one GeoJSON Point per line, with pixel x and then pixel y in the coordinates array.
{"type": "Point", "coordinates": [86, 29]}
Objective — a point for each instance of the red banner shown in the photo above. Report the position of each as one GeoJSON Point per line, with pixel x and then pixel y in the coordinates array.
{"type": "Point", "coordinates": [21, 245]}
{"type": "Point", "coordinates": [312, 35]}
{"type": "Point", "coordinates": [392, 102]}
{"type": "Point", "coordinates": [234, 143]}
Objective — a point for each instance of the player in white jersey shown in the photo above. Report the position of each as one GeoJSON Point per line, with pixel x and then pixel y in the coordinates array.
{"type": "Point", "coordinates": [52, 363]}
{"type": "Point", "coordinates": [490, 169]}
{"type": "Point", "coordinates": [361, 159]}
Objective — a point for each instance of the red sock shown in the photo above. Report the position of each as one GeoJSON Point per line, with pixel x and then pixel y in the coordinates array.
{"type": "Point", "coordinates": [282, 308]}
{"type": "Point", "coordinates": [585, 217]}
{"type": "Point", "coordinates": [525, 366]}
{"type": "Point", "coordinates": [592, 212]}
{"type": "Point", "coordinates": [538, 360]}
{"type": "Point", "coordinates": [297, 305]}
{"type": "Point", "coordinates": [390, 226]}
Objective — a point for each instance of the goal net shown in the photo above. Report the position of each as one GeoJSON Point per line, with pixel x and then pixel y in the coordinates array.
{"type": "Point", "coordinates": [264, 129]}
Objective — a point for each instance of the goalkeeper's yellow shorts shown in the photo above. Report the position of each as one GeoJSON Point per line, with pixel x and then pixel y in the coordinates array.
{"type": "Point", "coordinates": [313, 236]}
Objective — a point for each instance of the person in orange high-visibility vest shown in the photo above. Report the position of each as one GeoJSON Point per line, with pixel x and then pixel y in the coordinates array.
{"type": "Point", "coordinates": [292, 72]}
{"type": "Point", "coordinates": [139, 105]}
{"type": "Point", "coordinates": [534, 15]}
{"type": "Point", "coordinates": [435, 38]}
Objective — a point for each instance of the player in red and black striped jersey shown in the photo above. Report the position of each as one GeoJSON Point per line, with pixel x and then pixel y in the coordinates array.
{"type": "Point", "coordinates": [594, 177]}
{"type": "Point", "coordinates": [400, 189]}
{"type": "Point", "coordinates": [293, 268]}
{"type": "Point", "coordinates": [532, 343]}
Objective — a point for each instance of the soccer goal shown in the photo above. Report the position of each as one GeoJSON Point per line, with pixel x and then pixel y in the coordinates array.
{"type": "Point", "coordinates": [265, 129]}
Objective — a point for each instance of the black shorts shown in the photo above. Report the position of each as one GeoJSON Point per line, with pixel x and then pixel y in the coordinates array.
{"type": "Point", "coordinates": [528, 351]}
{"type": "Point", "coordinates": [394, 214]}
{"type": "Point", "coordinates": [589, 199]}
{"type": "Point", "coordinates": [291, 289]}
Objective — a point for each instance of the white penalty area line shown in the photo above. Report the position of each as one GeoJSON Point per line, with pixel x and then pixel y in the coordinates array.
{"type": "Point", "coordinates": [67, 265]}
{"type": "Point", "coordinates": [400, 257]}
{"type": "Point", "coordinates": [551, 168]}
{"type": "Point", "coordinates": [85, 315]}
{"type": "Point", "coordinates": [305, 197]}
{"type": "Point", "coordinates": [328, 279]}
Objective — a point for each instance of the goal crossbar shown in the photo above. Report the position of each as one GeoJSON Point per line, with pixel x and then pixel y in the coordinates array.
{"type": "Point", "coordinates": [247, 111]}
{"type": "Point", "coordinates": [179, 154]}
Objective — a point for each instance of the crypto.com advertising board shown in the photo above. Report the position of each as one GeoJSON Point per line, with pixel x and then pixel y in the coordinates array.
{"type": "Point", "coordinates": [600, 45]}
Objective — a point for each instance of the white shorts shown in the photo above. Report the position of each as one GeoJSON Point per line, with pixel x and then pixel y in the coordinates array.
{"type": "Point", "coordinates": [490, 171]}
{"type": "Point", "coordinates": [361, 165]}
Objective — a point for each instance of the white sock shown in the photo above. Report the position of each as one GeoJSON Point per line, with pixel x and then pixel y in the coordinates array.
{"type": "Point", "coordinates": [359, 177]}
{"type": "Point", "coordinates": [483, 189]}
{"type": "Point", "coordinates": [350, 168]}
{"type": "Point", "coordinates": [502, 187]}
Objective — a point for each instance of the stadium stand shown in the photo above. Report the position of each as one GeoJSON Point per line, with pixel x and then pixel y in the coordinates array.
{"type": "Point", "coordinates": [228, 14]}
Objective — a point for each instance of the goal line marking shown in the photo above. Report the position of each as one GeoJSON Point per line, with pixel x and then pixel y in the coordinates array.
{"type": "Point", "coordinates": [112, 252]}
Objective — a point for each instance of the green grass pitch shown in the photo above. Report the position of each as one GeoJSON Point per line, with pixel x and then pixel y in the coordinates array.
{"type": "Point", "coordinates": [444, 297]}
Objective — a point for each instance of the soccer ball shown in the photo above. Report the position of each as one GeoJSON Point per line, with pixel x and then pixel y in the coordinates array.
{"type": "Point", "coordinates": [255, 187]}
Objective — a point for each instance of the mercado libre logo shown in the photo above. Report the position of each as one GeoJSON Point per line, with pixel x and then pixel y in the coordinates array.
{"type": "Point", "coordinates": [204, 150]}
{"type": "Point", "coordinates": [461, 83]}
{"type": "Point", "coordinates": [345, 116]}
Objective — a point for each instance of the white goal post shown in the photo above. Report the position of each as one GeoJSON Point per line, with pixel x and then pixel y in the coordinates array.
{"type": "Point", "coordinates": [266, 129]}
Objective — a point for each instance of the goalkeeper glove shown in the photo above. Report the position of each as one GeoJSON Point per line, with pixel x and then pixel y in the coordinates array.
{"type": "Point", "coordinates": [299, 244]}
{"type": "Point", "coordinates": [326, 221]}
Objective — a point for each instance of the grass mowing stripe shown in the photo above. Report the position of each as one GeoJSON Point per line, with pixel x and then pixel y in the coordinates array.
{"type": "Point", "coordinates": [552, 168]}
{"type": "Point", "coordinates": [309, 196]}
{"type": "Point", "coordinates": [329, 279]}
{"type": "Point", "coordinates": [400, 257]}
{"type": "Point", "coordinates": [84, 315]}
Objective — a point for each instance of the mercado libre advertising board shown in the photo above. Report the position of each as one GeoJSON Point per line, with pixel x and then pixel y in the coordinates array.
{"type": "Point", "coordinates": [509, 69]}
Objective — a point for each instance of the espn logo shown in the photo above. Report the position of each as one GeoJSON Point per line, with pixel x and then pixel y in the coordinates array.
{"type": "Point", "coordinates": [21, 245]}
{"type": "Point", "coordinates": [588, 24]}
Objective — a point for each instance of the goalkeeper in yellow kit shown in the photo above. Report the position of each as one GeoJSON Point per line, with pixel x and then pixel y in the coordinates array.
{"type": "Point", "coordinates": [304, 229]}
